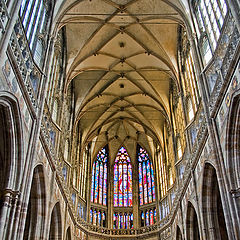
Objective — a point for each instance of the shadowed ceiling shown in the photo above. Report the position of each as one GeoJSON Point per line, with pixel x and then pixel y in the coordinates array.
{"type": "Point", "coordinates": [121, 59]}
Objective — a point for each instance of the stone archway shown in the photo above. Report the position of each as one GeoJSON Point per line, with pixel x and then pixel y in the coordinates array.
{"type": "Point", "coordinates": [192, 225]}
{"type": "Point", "coordinates": [179, 234]}
{"type": "Point", "coordinates": [68, 234]}
{"type": "Point", "coordinates": [55, 231]}
{"type": "Point", "coordinates": [11, 161]}
{"type": "Point", "coordinates": [36, 211]}
{"type": "Point", "coordinates": [212, 208]}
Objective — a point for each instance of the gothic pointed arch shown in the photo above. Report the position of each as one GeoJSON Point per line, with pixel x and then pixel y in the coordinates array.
{"type": "Point", "coordinates": [212, 209]}
{"type": "Point", "coordinates": [68, 234]}
{"type": "Point", "coordinates": [192, 226]}
{"type": "Point", "coordinates": [100, 177]}
{"type": "Point", "coordinates": [55, 231]}
{"type": "Point", "coordinates": [178, 234]}
{"type": "Point", "coordinates": [11, 142]}
{"type": "Point", "coordinates": [36, 211]}
{"type": "Point", "coordinates": [122, 179]}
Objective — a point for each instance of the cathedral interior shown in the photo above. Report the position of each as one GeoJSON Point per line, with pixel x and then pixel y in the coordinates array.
{"type": "Point", "coordinates": [119, 119]}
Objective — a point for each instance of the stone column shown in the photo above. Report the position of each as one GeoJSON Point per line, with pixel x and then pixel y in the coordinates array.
{"type": "Point", "coordinates": [8, 213]}
{"type": "Point", "coordinates": [13, 10]}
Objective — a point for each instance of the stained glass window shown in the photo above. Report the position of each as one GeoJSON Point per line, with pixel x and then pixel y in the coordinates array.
{"type": "Point", "coordinates": [99, 178]}
{"type": "Point", "coordinates": [123, 220]}
{"type": "Point", "coordinates": [146, 178]}
{"type": "Point", "coordinates": [122, 180]}
{"type": "Point", "coordinates": [148, 217]}
{"type": "Point", "coordinates": [98, 217]}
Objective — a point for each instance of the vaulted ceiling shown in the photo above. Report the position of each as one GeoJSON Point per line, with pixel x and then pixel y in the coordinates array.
{"type": "Point", "coordinates": [121, 59]}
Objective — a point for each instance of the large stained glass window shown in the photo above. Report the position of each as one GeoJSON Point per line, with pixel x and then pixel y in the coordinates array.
{"type": "Point", "coordinates": [123, 220]}
{"type": "Point", "coordinates": [122, 180]}
{"type": "Point", "coordinates": [99, 178]}
{"type": "Point", "coordinates": [146, 178]}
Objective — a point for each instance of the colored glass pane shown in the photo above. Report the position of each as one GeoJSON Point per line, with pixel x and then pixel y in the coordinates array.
{"type": "Point", "coordinates": [105, 185]}
{"type": "Point", "coordinates": [99, 218]}
{"type": "Point", "coordinates": [151, 218]}
{"type": "Point", "coordinates": [96, 183]}
{"type": "Point", "coordinates": [94, 217]}
{"type": "Point", "coordinates": [100, 183]}
{"type": "Point", "coordinates": [140, 183]}
{"type": "Point", "coordinates": [146, 178]}
{"type": "Point", "coordinates": [129, 185]}
{"type": "Point", "coordinates": [155, 215]}
{"type": "Point", "coordinates": [145, 183]}
{"type": "Point", "coordinates": [122, 180]}
{"type": "Point", "coordinates": [92, 187]}
{"type": "Point", "coordinates": [149, 182]}
{"type": "Point", "coordinates": [147, 218]}
{"type": "Point", "coordinates": [99, 178]}
{"type": "Point", "coordinates": [91, 215]}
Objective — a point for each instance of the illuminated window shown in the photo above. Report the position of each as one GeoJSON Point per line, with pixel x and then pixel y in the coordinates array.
{"type": "Point", "coordinates": [210, 16]}
{"type": "Point", "coordinates": [34, 15]}
{"type": "Point", "coordinates": [99, 178]}
{"type": "Point", "coordinates": [190, 112]}
{"type": "Point", "coordinates": [148, 217]}
{"type": "Point", "coordinates": [162, 174]}
{"type": "Point", "coordinates": [122, 220]}
{"type": "Point", "coordinates": [98, 217]}
{"type": "Point", "coordinates": [146, 178]}
{"type": "Point", "coordinates": [122, 180]}
{"type": "Point", "coordinates": [179, 149]}
{"type": "Point", "coordinates": [83, 175]}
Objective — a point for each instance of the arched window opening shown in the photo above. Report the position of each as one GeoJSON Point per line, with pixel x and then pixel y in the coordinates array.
{"type": "Point", "coordinates": [99, 178]}
{"type": "Point", "coordinates": [210, 16]}
{"type": "Point", "coordinates": [35, 15]}
{"type": "Point", "coordinates": [123, 220]}
{"type": "Point", "coordinates": [146, 178]}
{"type": "Point", "coordinates": [148, 217]}
{"type": "Point", "coordinates": [162, 174]}
{"type": "Point", "coordinates": [179, 149]}
{"type": "Point", "coordinates": [83, 174]}
{"type": "Point", "coordinates": [190, 111]}
{"type": "Point", "coordinates": [98, 217]}
{"type": "Point", "coordinates": [122, 180]}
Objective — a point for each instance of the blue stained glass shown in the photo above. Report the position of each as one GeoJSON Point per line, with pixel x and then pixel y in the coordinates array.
{"type": "Point", "coordinates": [155, 215]}
{"type": "Point", "coordinates": [145, 183]}
{"type": "Point", "coordinates": [125, 181]}
{"type": "Point", "coordinates": [146, 178]}
{"type": "Point", "coordinates": [105, 185]}
{"type": "Point", "coordinates": [91, 216]}
{"type": "Point", "coordinates": [147, 218]}
{"type": "Point", "coordinates": [96, 183]}
{"type": "Point", "coordinates": [122, 180]}
{"type": "Point", "coordinates": [101, 184]}
{"type": "Point", "coordinates": [92, 187]}
{"type": "Point", "coordinates": [149, 182]}
{"type": "Point", "coordinates": [140, 183]}
{"type": "Point", "coordinates": [99, 178]}
{"type": "Point", "coordinates": [94, 217]}
{"type": "Point", "coordinates": [99, 218]}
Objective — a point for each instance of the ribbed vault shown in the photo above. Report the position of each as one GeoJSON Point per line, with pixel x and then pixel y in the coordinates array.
{"type": "Point", "coordinates": [122, 60]}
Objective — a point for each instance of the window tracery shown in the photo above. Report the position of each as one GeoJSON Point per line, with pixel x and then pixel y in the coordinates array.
{"type": "Point", "coordinates": [210, 16]}
{"type": "Point", "coordinates": [34, 15]}
{"type": "Point", "coordinates": [99, 178]}
{"type": "Point", "coordinates": [122, 180]}
{"type": "Point", "coordinates": [146, 178]}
